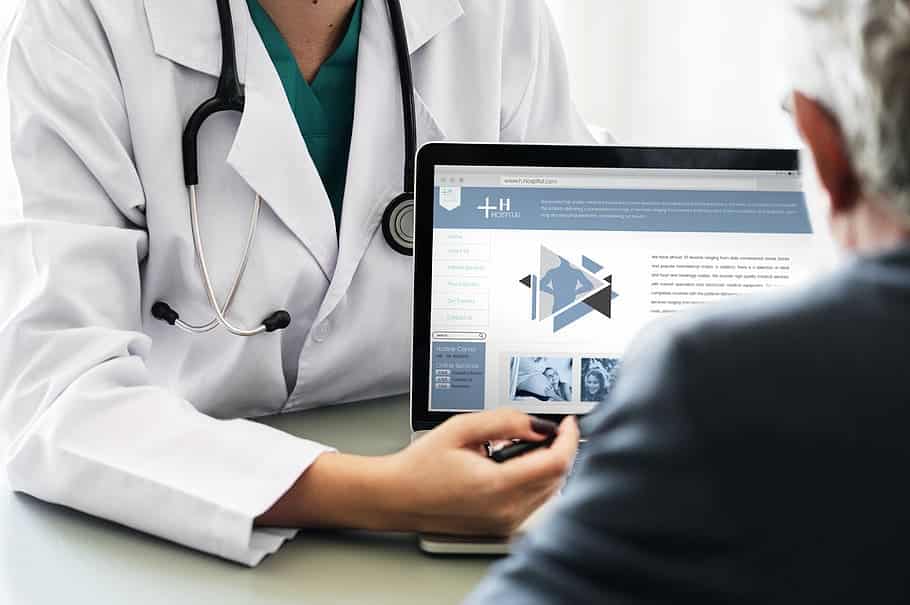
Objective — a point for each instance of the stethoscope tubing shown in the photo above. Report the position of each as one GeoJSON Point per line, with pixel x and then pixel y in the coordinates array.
{"type": "Point", "coordinates": [406, 80]}
{"type": "Point", "coordinates": [209, 290]}
{"type": "Point", "coordinates": [251, 236]}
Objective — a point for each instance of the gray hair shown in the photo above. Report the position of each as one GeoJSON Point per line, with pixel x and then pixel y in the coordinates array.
{"type": "Point", "coordinates": [860, 50]}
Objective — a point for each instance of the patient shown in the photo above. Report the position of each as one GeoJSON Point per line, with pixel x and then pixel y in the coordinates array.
{"type": "Point", "coordinates": [758, 452]}
{"type": "Point", "coordinates": [558, 390]}
{"type": "Point", "coordinates": [535, 379]}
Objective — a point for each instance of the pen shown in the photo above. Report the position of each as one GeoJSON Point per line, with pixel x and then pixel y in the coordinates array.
{"type": "Point", "coordinates": [520, 448]}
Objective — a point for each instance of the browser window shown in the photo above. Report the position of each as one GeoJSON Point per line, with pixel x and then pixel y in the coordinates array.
{"type": "Point", "coordinates": [543, 276]}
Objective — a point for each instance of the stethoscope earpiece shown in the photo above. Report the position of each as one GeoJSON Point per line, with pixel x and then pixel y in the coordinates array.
{"type": "Point", "coordinates": [278, 320]}
{"type": "Point", "coordinates": [163, 312]}
{"type": "Point", "coordinates": [398, 224]}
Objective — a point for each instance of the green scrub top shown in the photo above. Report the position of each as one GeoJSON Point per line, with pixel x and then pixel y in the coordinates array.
{"type": "Point", "coordinates": [324, 108]}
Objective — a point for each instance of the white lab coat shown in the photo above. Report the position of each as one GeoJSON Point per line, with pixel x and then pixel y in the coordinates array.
{"type": "Point", "coordinates": [109, 411]}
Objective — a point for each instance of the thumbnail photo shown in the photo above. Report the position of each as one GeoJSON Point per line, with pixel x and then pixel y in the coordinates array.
{"type": "Point", "coordinates": [541, 379]}
{"type": "Point", "coordinates": [598, 374]}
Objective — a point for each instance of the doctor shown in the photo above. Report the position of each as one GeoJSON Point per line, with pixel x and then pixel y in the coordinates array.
{"type": "Point", "coordinates": [107, 409]}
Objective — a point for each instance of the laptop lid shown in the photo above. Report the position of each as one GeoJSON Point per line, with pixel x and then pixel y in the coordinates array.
{"type": "Point", "coordinates": [535, 266]}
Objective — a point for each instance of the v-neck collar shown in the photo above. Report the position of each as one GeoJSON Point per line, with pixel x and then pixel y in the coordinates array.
{"type": "Point", "coordinates": [302, 94]}
{"type": "Point", "coordinates": [346, 54]}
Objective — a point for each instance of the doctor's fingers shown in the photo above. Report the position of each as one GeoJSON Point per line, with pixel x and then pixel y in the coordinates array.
{"type": "Point", "coordinates": [497, 425]}
{"type": "Point", "coordinates": [546, 464]}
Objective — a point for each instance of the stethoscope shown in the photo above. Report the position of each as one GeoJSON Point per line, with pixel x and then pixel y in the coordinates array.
{"type": "Point", "coordinates": [397, 220]}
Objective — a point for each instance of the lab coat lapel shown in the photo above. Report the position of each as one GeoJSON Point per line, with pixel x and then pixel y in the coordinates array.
{"type": "Point", "coordinates": [423, 19]}
{"type": "Point", "coordinates": [376, 160]}
{"type": "Point", "coordinates": [268, 152]}
{"type": "Point", "coordinates": [187, 33]}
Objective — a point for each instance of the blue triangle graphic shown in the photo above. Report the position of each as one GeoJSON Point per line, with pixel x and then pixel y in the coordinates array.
{"type": "Point", "coordinates": [562, 284]}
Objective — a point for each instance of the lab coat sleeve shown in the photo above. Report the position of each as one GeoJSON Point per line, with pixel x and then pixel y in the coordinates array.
{"type": "Point", "coordinates": [537, 97]}
{"type": "Point", "coordinates": [82, 423]}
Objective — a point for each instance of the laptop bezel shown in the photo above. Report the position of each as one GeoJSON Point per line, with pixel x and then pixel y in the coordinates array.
{"type": "Point", "coordinates": [436, 154]}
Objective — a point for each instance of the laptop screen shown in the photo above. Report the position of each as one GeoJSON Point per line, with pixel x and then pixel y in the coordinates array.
{"type": "Point", "coordinates": [543, 276]}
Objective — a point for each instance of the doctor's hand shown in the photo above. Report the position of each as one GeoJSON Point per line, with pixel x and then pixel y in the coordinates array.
{"type": "Point", "coordinates": [442, 483]}
{"type": "Point", "coordinates": [451, 486]}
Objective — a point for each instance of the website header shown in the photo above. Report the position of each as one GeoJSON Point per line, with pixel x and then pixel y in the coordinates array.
{"type": "Point", "coordinates": [608, 209]}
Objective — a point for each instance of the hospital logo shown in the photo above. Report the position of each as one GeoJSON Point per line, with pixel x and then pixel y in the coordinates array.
{"type": "Point", "coordinates": [565, 293]}
{"type": "Point", "coordinates": [501, 208]}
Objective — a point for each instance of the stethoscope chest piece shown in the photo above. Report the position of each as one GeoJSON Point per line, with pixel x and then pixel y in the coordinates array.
{"type": "Point", "coordinates": [398, 224]}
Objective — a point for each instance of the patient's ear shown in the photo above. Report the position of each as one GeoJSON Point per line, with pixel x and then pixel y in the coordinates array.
{"type": "Point", "coordinates": [825, 138]}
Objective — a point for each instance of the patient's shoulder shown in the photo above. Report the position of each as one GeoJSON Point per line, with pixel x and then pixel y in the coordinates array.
{"type": "Point", "coordinates": [774, 346]}
{"type": "Point", "coordinates": [783, 318]}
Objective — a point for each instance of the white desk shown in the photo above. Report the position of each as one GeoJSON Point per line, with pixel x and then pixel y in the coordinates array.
{"type": "Point", "coordinates": [50, 554]}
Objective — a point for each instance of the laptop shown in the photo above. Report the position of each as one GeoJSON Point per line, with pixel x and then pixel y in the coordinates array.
{"type": "Point", "coordinates": [535, 267]}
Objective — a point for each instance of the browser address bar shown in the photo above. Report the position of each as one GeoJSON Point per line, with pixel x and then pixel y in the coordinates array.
{"type": "Point", "coordinates": [631, 182]}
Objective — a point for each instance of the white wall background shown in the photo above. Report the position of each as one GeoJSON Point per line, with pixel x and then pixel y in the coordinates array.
{"type": "Point", "coordinates": [679, 72]}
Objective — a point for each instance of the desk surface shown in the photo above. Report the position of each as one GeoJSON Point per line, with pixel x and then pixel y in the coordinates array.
{"type": "Point", "coordinates": [49, 554]}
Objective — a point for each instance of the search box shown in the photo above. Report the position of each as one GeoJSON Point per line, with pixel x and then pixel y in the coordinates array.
{"type": "Point", "coordinates": [632, 182]}
{"type": "Point", "coordinates": [462, 336]}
